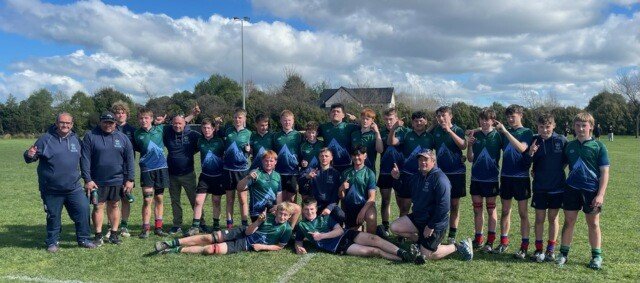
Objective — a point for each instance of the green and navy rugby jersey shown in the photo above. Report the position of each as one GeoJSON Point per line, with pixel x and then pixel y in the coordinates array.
{"type": "Point", "coordinates": [235, 158]}
{"type": "Point", "coordinates": [448, 153]}
{"type": "Point", "coordinates": [391, 154]}
{"type": "Point", "coordinates": [338, 139]}
{"type": "Point", "coordinates": [260, 145]}
{"type": "Point", "coordinates": [310, 152]}
{"type": "Point", "coordinates": [151, 148]}
{"type": "Point", "coordinates": [585, 160]}
{"type": "Point", "coordinates": [486, 155]}
{"type": "Point", "coordinates": [412, 144]}
{"type": "Point", "coordinates": [271, 232]}
{"type": "Point", "coordinates": [211, 152]}
{"type": "Point", "coordinates": [321, 224]}
{"type": "Point", "coordinates": [367, 140]}
{"type": "Point", "coordinates": [263, 191]}
{"type": "Point", "coordinates": [513, 164]}
{"type": "Point", "coordinates": [360, 183]}
{"type": "Point", "coordinates": [287, 146]}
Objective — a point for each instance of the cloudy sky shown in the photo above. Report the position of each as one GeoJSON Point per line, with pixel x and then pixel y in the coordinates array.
{"type": "Point", "coordinates": [472, 51]}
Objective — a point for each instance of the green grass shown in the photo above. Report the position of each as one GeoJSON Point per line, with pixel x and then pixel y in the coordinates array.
{"type": "Point", "coordinates": [22, 233]}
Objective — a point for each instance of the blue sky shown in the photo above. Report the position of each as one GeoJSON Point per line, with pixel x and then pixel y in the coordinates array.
{"type": "Point", "coordinates": [478, 52]}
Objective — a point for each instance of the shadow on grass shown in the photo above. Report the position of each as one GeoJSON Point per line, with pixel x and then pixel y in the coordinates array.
{"type": "Point", "coordinates": [33, 236]}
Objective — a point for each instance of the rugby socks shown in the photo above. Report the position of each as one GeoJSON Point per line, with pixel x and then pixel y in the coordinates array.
{"type": "Point", "coordinates": [173, 243]}
{"type": "Point", "coordinates": [596, 253]}
{"type": "Point", "coordinates": [504, 239]}
{"type": "Point", "coordinates": [479, 238]}
{"type": "Point", "coordinates": [385, 224]}
{"type": "Point", "coordinates": [216, 223]}
{"type": "Point", "coordinates": [551, 246]}
{"type": "Point", "coordinates": [491, 237]}
{"type": "Point", "coordinates": [146, 227]}
{"type": "Point", "coordinates": [453, 232]}
{"type": "Point", "coordinates": [564, 250]}
{"type": "Point", "coordinates": [539, 245]}
{"type": "Point", "coordinates": [158, 224]}
{"type": "Point", "coordinates": [525, 244]}
{"type": "Point", "coordinates": [195, 223]}
{"type": "Point", "coordinates": [229, 223]}
{"type": "Point", "coordinates": [98, 235]}
{"type": "Point", "coordinates": [245, 223]}
{"type": "Point", "coordinates": [123, 224]}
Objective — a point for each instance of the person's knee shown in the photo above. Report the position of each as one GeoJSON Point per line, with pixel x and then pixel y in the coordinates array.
{"type": "Point", "coordinates": [210, 250]}
{"type": "Point", "coordinates": [395, 227]}
{"type": "Point", "coordinates": [593, 223]}
{"type": "Point", "coordinates": [477, 208]}
{"type": "Point", "coordinates": [216, 201]}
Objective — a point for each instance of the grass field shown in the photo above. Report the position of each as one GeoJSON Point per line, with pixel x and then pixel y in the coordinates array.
{"type": "Point", "coordinates": [23, 256]}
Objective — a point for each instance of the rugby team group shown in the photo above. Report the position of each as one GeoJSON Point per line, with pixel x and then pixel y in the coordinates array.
{"type": "Point", "coordinates": [332, 167]}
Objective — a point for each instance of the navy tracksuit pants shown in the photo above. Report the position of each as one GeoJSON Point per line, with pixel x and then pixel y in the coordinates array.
{"type": "Point", "coordinates": [77, 205]}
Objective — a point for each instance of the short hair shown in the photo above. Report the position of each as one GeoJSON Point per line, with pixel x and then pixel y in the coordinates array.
{"type": "Point", "coordinates": [487, 114]}
{"type": "Point", "coordinates": [337, 105]}
{"type": "Point", "coordinates": [206, 121]}
{"type": "Point", "coordinates": [546, 119]}
{"type": "Point", "coordinates": [443, 109]}
{"type": "Point", "coordinates": [286, 206]}
{"type": "Point", "coordinates": [261, 118]}
{"type": "Point", "coordinates": [369, 113]}
{"type": "Point", "coordinates": [390, 111]}
{"type": "Point", "coordinates": [431, 153]}
{"type": "Point", "coordinates": [325, 149]}
{"type": "Point", "coordinates": [358, 149]}
{"type": "Point", "coordinates": [144, 111]}
{"type": "Point", "coordinates": [584, 117]}
{"type": "Point", "coordinates": [309, 201]}
{"type": "Point", "coordinates": [286, 113]}
{"type": "Point", "coordinates": [311, 126]}
{"type": "Point", "coordinates": [240, 111]}
{"type": "Point", "coordinates": [64, 114]}
{"type": "Point", "coordinates": [270, 154]}
{"type": "Point", "coordinates": [514, 109]}
{"type": "Point", "coordinates": [120, 106]}
{"type": "Point", "coordinates": [418, 115]}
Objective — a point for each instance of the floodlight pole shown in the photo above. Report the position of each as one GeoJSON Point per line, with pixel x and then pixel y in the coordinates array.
{"type": "Point", "coordinates": [244, 94]}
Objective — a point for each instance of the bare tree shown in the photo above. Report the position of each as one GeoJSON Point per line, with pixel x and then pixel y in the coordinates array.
{"type": "Point", "coordinates": [628, 84]}
{"type": "Point", "coordinates": [531, 98]}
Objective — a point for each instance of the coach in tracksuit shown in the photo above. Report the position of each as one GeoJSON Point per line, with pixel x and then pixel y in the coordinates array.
{"type": "Point", "coordinates": [429, 218]}
{"type": "Point", "coordinates": [107, 165]}
{"type": "Point", "coordinates": [58, 151]}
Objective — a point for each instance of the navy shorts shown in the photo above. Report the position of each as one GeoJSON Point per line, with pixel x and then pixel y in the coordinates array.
{"type": "Point", "coordinates": [385, 181]}
{"type": "Point", "coordinates": [231, 179]}
{"type": "Point", "coordinates": [289, 183]}
{"type": "Point", "coordinates": [351, 215]}
{"type": "Point", "coordinates": [576, 199]}
{"type": "Point", "coordinates": [236, 240]}
{"type": "Point", "coordinates": [515, 188]}
{"type": "Point", "coordinates": [210, 185]}
{"type": "Point", "coordinates": [157, 179]}
{"type": "Point", "coordinates": [403, 188]}
{"type": "Point", "coordinates": [109, 193]}
{"type": "Point", "coordinates": [432, 242]}
{"type": "Point", "coordinates": [348, 239]}
{"type": "Point", "coordinates": [458, 185]}
{"type": "Point", "coordinates": [545, 200]}
{"type": "Point", "coordinates": [484, 189]}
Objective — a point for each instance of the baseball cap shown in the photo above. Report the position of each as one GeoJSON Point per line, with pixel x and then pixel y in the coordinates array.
{"type": "Point", "coordinates": [107, 116]}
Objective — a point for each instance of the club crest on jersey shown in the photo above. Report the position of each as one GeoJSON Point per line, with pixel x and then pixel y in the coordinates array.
{"type": "Point", "coordinates": [438, 135]}
{"type": "Point", "coordinates": [571, 151]}
{"type": "Point", "coordinates": [425, 187]}
{"type": "Point", "coordinates": [329, 179]}
{"type": "Point", "coordinates": [117, 143]}
{"type": "Point", "coordinates": [73, 148]}
{"type": "Point", "coordinates": [558, 147]}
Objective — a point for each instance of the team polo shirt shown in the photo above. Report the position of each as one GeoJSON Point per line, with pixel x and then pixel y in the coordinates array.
{"type": "Point", "coordinates": [585, 159]}
{"type": "Point", "coordinates": [338, 139]}
{"type": "Point", "coordinates": [287, 145]}
{"type": "Point", "coordinates": [309, 152]}
{"type": "Point", "coordinates": [548, 164]}
{"type": "Point", "coordinates": [513, 164]}
{"type": "Point", "coordinates": [412, 144]}
{"type": "Point", "coordinates": [271, 232]}
{"type": "Point", "coordinates": [391, 154]}
{"type": "Point", "coordinates": [259, 145]}
{"type": "Point", "coordinates": [449, 155]}
{"type": "Point", "coordinates": [367, 140]}
{"type": "Point", "coordinates": [360, 183]}
{"type": "Point", "coordinates": [321, 224]}
{"type": "Point", "coordinates": [486, 155]}
{"type": "Point", "coordinates": [235, 158]}
{"type": "Point", "coordinates": [150, 145]}
{"type": "Point", "coordinates": [211, 152]}
{"type": "Point", "coordinates": [263, 191]}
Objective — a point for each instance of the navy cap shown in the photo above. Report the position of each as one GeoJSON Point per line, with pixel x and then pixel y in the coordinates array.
{"type": "Point", "coordinates": [107, 116]}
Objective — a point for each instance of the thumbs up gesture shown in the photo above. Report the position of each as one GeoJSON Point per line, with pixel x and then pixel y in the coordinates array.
{"type": "Point", "coordinates": [395, 172]}
{"type": "Point", "coordinates": [32, 151]}
{"type": "Point", "coordinates": [534, 147]}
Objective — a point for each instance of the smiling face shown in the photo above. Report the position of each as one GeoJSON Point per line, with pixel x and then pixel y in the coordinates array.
{"type": "Point", "coordinates": [325, 158]}
{"type": "Point", "coordinates": [282, 216]}
{"type": "Point", "coordinates": [425, 164]}
{"type": "Point", "coordinates": [310, 211]}
{"type": "Point", "coordinates": [546, 130]}
{"type": "Point", "coordinates": [268, 163]}
{"type": "Point", "coordinates": [287, 123]}
{"type": "Point", "coordinates": [444, 118]}
{"type": "Point", "coordinates": [108, 126]}
{"type": "Point", "coordinates": [336, 115]}
{"type": "Point", "coordinates": [208, 131]}
{"type": "Point", "coordinates": [178, 123]}
{"type": "Point", "coordinates": [311, 135]}
{"type": "Point", "coordinates": [514, 120]}
{"type": "Point", "coordinates": [64, 124]}
{"type": "Point", "coordinates": [145, 121]}
{"type": "Point", "coordinates": [239, 119]}
{"type": "Point", "coordinates": [358, 159]}
{"type": "Point", "coordinates": [365, 121]}
{"type": "Point", "coordinates": [262, 127]}
{"type": "Point", "coordinates": [419, 124]}
{"type": "Point", "coordinates": [486, 124]}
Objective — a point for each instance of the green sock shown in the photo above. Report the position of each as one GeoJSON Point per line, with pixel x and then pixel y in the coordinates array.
{"type": "Point", "coordinates": [596, 253]}
{"type": "Point", "coordinates": [453, 232]}
{"type": "Point", "coordinates": [216, 222]}
{"type": "Point", "coordinates": [123, 224]}
{"type": "Point", "coordinates": [174, 243]}
{"type": "Point", "coordinates": [564, 250]}
{"type": "Point", "coordinates": [175, 250]}
{"type": "Point", "coordinates": [196, 223]}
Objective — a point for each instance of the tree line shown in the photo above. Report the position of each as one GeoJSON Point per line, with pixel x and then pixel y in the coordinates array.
{"type": "Point", "coordinates": [219, 95]}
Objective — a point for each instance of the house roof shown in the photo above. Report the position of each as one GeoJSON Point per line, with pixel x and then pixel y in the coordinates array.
{"type": "Point", "coordinates": [365, 96]}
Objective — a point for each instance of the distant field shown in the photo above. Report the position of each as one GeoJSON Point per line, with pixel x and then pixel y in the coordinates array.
{"type": "Point", "coordinates": [23, 256]}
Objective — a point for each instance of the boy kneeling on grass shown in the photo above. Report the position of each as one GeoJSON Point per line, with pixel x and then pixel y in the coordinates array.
{"type": "Point", "coordinates": [270, 232]}
{"type": "Point", "coordinates": [326, 234]}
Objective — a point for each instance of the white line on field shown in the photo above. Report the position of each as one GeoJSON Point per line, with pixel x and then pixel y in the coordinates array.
{"type": "Point", "coordinates": [38, 279]}
{"type": "Point", "coordinates": [295, 268]}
